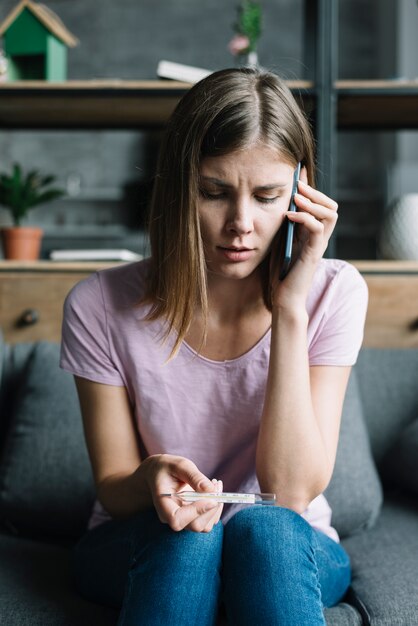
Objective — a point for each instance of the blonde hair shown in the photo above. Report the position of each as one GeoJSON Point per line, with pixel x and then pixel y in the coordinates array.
{"type": "Point", "coordinates": [226, 111]}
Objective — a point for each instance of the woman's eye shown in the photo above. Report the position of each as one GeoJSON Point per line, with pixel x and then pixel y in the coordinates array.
{"type": "Point", "coordinates": [212, 196]}
{"type": "Point", "coordinates": [222, 195]}
{"type": "Point", "coordinates": [265, 200]}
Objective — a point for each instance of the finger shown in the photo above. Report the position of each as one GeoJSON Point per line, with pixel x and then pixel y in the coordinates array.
{"type": "Point", "coordinates": [219, 512]}
{"type": "Point", "coordinates": [200, 525]}
{"type": "Point", "coordinates": [310, 222]}
{"type": "Point", "coordinates": [186, 516]}
{"type": "Point", "coordinates": [316, 196]}
{"type": "Point", "coordinates": [167, 506]}
{"type": "Point", "coordinates": [204, 523]}
{"type": "Point", "coordinates": [187, 471]}
{"type": "Point", "coordinates": [319, 211]}
{"type": "Point", "coordinates": [217, 485]}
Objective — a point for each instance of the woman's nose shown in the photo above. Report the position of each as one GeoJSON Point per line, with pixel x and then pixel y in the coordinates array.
{"type": "Point", "coordinates": [240, 219]}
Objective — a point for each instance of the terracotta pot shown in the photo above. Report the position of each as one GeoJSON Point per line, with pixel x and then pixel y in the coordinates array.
{"type": "Point", "coordinates": [21, 243]}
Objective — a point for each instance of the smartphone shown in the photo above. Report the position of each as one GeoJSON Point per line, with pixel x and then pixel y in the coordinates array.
{"type": "Point", "coordinates": [290, 227]}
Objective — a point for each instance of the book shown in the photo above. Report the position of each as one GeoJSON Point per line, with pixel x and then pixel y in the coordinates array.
{"type": "Point", "coordinates": [116, 254]}
{"type": "Point", "coordinates": [181, 72]}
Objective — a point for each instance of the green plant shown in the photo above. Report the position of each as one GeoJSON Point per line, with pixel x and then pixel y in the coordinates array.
{"type": "Point", "coordinates": [248, 27]}
{"type": "Point", "coordinates": [20, 193]}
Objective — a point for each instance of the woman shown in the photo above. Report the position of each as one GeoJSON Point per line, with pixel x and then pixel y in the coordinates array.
{"type": "Point", "coordinates": [198, 369]}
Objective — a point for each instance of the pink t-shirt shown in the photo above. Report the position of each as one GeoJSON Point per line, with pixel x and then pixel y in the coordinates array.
{"type": "Point", "coordinates": [208, 411]}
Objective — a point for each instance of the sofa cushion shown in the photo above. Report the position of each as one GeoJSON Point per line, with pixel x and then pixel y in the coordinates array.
{"type": "Point", "coordinates": [13, 365]}
{"type": "Point", "coordinates": [385, 564]}
{"type": "Point", "coordinates": [36, 587]}
{"type": "Point", "coordinates": [399, 466]}
{"type": "Point", "coordinates": [355, 492]}
{"type": "Point", "coordinates": [46, 484]}
{"type": "Point", "coordinates": [388, 387]}
{"type": "Point", "coordinates": [342, 615]}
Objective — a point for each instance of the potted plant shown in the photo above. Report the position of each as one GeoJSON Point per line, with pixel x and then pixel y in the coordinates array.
{"type": "Point", "coordinates": [247, 29]}
{"type": "Point", "coordinates": [19, 193]}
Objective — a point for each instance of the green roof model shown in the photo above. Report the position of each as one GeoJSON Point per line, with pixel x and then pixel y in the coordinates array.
{"type": "Point", "coordinates": [35, 43]}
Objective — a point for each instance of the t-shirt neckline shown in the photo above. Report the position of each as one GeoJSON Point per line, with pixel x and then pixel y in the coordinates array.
{"type": "Point", "coordinates": [238, 359]}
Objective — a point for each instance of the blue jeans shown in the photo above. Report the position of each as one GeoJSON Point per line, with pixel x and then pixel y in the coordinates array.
{"type": "Point", "coordinates": [267, 566]}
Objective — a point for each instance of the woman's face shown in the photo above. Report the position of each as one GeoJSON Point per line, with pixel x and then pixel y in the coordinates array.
{"type": "Point", "coordinates": [243, 198]}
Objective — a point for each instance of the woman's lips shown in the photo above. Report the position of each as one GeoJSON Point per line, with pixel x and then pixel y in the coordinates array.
{"type": "Point", "coordinates": [236, 254]}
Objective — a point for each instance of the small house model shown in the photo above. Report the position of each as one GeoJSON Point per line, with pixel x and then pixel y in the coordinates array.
{"type": "Point", "coordinates": [35, 43]}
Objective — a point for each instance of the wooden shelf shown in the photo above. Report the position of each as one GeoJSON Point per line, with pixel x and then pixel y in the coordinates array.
{"type": "Point", "coordinates": [88, 104]}
{"type": "Point", "coordinates": [100, 104]}
{"type": "Point", "coordinates": [377, 105]}
{"type": "Point", "coordinates": [97, 104]}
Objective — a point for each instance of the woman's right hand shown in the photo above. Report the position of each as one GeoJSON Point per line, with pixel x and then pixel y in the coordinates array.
{"type": "Point", "coordinates": [167, 473]}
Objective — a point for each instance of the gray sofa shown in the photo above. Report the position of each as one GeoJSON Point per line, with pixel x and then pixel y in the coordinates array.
{"type": "Point", "coordinates": [46, 491]}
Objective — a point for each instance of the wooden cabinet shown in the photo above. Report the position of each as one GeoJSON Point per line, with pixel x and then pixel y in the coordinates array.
{"type": "Point", "coordinates": [392, 316]}
{"type": "Point", "coordinates": [32, 295]}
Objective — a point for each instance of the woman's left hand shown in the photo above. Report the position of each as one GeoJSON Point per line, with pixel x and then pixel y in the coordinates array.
{"type": "Point", "coordinates": [316, 217]}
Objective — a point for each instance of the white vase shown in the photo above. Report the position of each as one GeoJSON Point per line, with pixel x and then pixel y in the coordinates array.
{"type": "Point", "coordinates": [251, 60]}
{"type": "Point", "coordinates": [398, 238]}
{"type": "Point", "coordinates": [3, 67]}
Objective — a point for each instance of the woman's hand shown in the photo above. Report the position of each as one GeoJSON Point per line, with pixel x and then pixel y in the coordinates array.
{"type": "Point", "coordinates": [316, 217]}
{"type": "Point", "coordinates": [167, 473]}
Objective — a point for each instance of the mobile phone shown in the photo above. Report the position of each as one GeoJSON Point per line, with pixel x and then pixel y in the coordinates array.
{"type": "Point", "coordinates": [290, 227]}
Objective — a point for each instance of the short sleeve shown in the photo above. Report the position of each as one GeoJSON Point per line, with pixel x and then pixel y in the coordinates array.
{"type": "Point", "coordinates": [85, 348]}
{"type": "Point", "coordinates": [340, 336]}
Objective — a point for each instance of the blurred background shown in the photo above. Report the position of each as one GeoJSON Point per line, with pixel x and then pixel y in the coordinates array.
{"type": "Point", "coordinates": [107, 174]}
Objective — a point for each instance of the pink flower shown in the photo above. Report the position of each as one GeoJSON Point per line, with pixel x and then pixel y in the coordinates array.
{"type": "Point", "coordinates": [238, 44]}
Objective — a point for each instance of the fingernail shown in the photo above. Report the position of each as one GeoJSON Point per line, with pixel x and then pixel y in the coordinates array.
{"type": "Point", "coordinates": [205, 484]}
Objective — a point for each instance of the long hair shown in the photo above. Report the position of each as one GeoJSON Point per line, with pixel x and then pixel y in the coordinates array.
{"type": "Point", "coordinates": [224, 112]}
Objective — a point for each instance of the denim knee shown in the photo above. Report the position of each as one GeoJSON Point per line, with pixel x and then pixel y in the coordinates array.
{"type": "Point", "coordinates": [169, 554]}
{"type": "Point", "coordinates": [258, 523]}
{"type": "Point", "coordinates": [270, 572]}
{"type": "Point", "coordinates": [168, 567]}
{"type": "Point", "coordinates": [275, 538]}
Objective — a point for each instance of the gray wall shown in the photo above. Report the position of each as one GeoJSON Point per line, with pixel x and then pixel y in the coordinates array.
{"type": "Point", "coordinates": [126, 39]}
